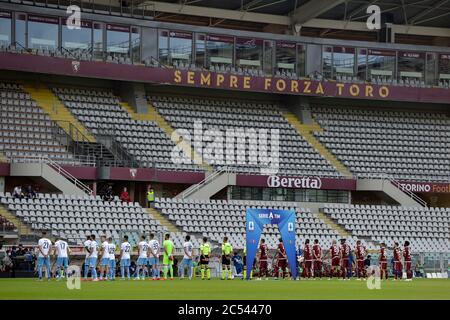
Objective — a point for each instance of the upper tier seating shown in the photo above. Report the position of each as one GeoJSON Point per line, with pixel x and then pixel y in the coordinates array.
{"type": "Point", "coordinates": [218, 218]}
{"type": "Point", "coordinates": [25, 130]}
{"type": "Point", "coordinates": [99, 110]}
{"type": "Point", "coordinates": [428, 229]}
{"type": "Point", "coordinates": [296, 156]}
{"type": "Point", "coordinates": [403, 145]}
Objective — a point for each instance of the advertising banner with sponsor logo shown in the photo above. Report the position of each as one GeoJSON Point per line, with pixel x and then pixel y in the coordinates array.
{"type": "Point", "coordinates": [425, 187]}
{"type": "Point", "coordinates": [300, 182]}
{"type": "Point", "coordinates": [285, 220]}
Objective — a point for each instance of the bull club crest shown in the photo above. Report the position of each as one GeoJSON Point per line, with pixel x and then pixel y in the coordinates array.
{"type": "Point", "coordinates": [76, 66]}
{"type": "Point", "coordinates": [133, 173]}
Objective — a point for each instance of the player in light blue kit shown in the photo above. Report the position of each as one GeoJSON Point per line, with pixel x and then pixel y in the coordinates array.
{"type": "Point", "coordinates": [93, 258]}
{"type": "Point", "coordinates": [104, 263]}
{"type": "Point", "coordinates": [87, 250]}
{"type": "Point", "coordinates": [112, 259]}
{"type": "Point", "coordinates": [187, 258]}
{"type": "Point", "coordinates": [125, 262]}
{"type": "Point", "coordinates": [44, 246]}
{"type": "Point", "coordinates": [62, 252]}
{"type": "Point", "coordinates": [153, 257]}
{"type": "Point", "coordinates": [142, 259]}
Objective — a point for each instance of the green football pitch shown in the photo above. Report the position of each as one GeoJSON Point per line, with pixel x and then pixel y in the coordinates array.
{"type": "Point", "coordinates": [225, 290]}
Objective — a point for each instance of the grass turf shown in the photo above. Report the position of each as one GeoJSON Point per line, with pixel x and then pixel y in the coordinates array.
{"type": "Point", "coordinates": [225, 290]}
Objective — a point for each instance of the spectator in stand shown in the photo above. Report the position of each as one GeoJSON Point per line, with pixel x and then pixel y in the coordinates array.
{"type": "Point", "coordinates": [21, 250]}
{"type": "Point", "coordinates": [108, 196]}
{"type": "Point", "coordinates": [31, 194]}
{"type": "Point", "coordinates": [150, 198]}
{"type": "Point", "coordinates": [17, 193]}
{"type": "Point", "coordinates": [125, 196]}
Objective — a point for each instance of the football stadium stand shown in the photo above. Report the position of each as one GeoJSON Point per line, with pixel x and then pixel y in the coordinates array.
{"type": "Point", "coordinates": [362, 119]}
{"type": "Point", "coordinates": [74, 217]}
{"type": "Point", "coordinates": [426, 228]}
{"type": "Point", "coordinates": [402, 144]}
{"type": "Point", "coordinates": [103, 114]}
{"type": "Point", "coordinates": [298, 156]}
{"type": "Point", "coordinates": [26, 130]}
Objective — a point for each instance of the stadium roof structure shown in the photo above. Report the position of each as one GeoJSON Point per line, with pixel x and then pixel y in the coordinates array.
{"type": "Point", "coordinates": [321, 18]}
{"type": "Point", "coordinates": [425, 22]}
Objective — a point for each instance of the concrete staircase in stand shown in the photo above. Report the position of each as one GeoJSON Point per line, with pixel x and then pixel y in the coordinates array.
{"type": "Point", "coordinates": [154, 116]}
{"type": "Point", "coordinates": [306, 130]}
{"type": "Point", "coordinates": [58, 112]}
{"type": "Point", "coordinates": [333, 225]}
{"type": "Point", "coordinates": [162, 220]}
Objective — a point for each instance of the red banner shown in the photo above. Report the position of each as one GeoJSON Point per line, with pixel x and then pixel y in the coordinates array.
{"type": "Point", "coordinates": [43, 19]}
{"type": "Point", "coordinates": [343, 50]}
{"type": "Point", "coordinates": [217, 38]}
{"type": "Point", "coordinates": [119, 28]}
{"type": "Point", "coordinates": [250, 42]}
{"type": "Point", "coordinates": [289, 45]}
{"type": "Point", "coordinates": [409, 54]}
{"type": "Point", "coordinates": [226, 81]}
{"type": "Point", "coordinates": [374, 52]}
{"type": "Point", "coordinates": [181, 35]}
{"type": "Point", "coordinates": [4, 14]}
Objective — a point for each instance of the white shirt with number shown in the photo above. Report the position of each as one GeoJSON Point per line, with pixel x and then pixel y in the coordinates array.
{"type": "Point", "coordinates": [61, 248]}
{"type": "Point", "coordinates": [45, 246]}
{"type": "Point", "coordinates": [188, 247]}
{"type": "Point", "coordinates": [154, 248]}
{"type": "Point", "coordinates": [112, 251]}
{"type": "Point", "coordinates": [105, 247]}
{"type": "Point", "coordinates": [87, 244]}
{"type": "Point", "coordinates": [126, 249]}
{"type": "Point", "coordinates": [143, 247]}
{"type": "Point", "coordinates": [94, 249]}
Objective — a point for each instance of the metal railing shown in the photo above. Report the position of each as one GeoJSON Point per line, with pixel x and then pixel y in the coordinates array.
{"type": "Point", "coordinates": [123, 157]}
{"type": "Point", "coordinates": [208, 179]}
{"type": "Point", "coordinates": [55, 166]}
{"type": "Point", "coordinates": [396, 184]}
{"type": "Point", "coordinates": [68, 175]}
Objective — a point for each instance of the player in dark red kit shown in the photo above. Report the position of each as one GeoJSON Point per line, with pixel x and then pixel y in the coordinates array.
{"type": "Point", "coordinates": [360, 253]}
{"type": "Point", "coordinates": [280, 269]}
{"type": "Point", "coordinates": [263, 258]}
{"type": "Point", "coordinates": [345, 256]}
{"type": "Point", "coordinates": [335, 254]}
{"type": "Point", "coordinates": [382, 260]}
{"type": "Point", "coordinates": [397, 261]}
{"type": "Point", "coordinates": [407, 259]}
{"type": "Point", "coordinates": [308, 259]}
{"type": "Point", "coordinates": [317, 257]}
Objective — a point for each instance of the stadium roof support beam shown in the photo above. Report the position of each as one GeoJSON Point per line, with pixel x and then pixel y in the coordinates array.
{"type": "Point", "coordinates": [423, 13]}
{"type": "Point", "coordinates": [199, 11]}
{"type": "Point", "coordinates": [361, 26]}
{"type": "Point", "coordinates": [238, 15]}
{"type": "Point", "coordinates": [311, 10]}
